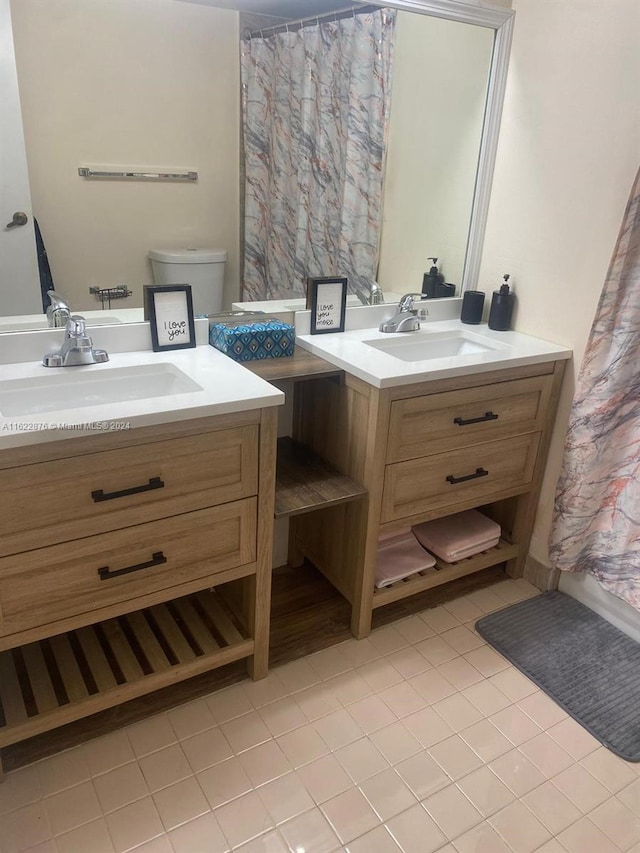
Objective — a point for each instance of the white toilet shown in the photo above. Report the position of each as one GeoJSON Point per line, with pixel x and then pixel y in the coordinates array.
{"type": "Point", "coordinates": [203, 269]}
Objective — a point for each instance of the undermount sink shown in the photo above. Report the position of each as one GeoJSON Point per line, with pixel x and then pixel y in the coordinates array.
{"type": "Point", "coordinates": [421, 346]}
{"type": "Point", "coordinates": [74, 388]}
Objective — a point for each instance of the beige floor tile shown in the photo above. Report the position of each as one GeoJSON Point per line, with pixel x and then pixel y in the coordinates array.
{"type": "Point", "coordinates": [25, 827]}
{"type": "Point", "coordinates": [180, 803]}
{"type": "Point", "coordinates": [423, 775]}
{"type": "Point", "coordinates": [408, 662]}
{"type": "Point", "coordinates": [108, 752]}
{"type": "Point", "coordinates": [436, 650]}
{"type": "Point", "coordinates": [455, 757]}
{"type": "Point", "coordinates": [151, 735]}
{"type": "Point", "coordinates": [379, 840]}
{"type": "Point", "coordinates": [329, 662]}
{"type": "Point", "coordinates": [458, 712]}
{"type": "Point", "coordinates": [432, 686]}
{"type": "Point", "coordinates": [486, 600]}
{"type": "Point", "coordinates": [396, 742]}
{"type": "Point", "coordinates": [513, 684]}
{"type": "Point", "coordinates": [581, 788]}
{"type": "Point", "coordinates": [542, 709]}
{"type": "Point", "coordinates": [481, 839]}
{"type": "Point", "coordinates": [245, 731]}
{"type": "Point", "coordinates": [462, 639]}
{"type": "Point", "coordinates": [264, 691]}
{"type": "Point", "coordinates": [338, 729]}
{"type": "Point", "coordinates": [244, 819]}
{"type": "Point", "coordinates": [514, 590]}
{"type": "Point", "coordinates": [161, 844]}
{"type": "Point", "coordinates": [165, 767]}
{"type": "Point", "coordinates": [573, 738]}
{"type": "Point", "coordinates": [460, 673]}
{"type": "Point", "coordinates": [487, 793]}
{"type": "Point", "coordinates": [452, 811]}
{"type": "Point", "coordinates": [270, 842]}
{"type": "Point", "coordinates": [350, 815]}
{"type": "Point", "coordinates": [317, 701]}
{"type": "Point", "coordinates": [310, 832]}
{"type": "Point", "coordinates": [487, 661]}
{"type": "Point", "coordinates": [19, 788]}
{"type": "Point", "coordinates": [121, 786]}
{"type": "Point", "coordinates": [548, 757]}
{"type": "Point", "coordinates": [402, 699]}
{"type": "Point", "coordinates": [288, 796]}
{"type": "Point", "coordinates": [349, 687]}
{"type": "Point", "coordinates": [416, 832]}
{"type": "Point", "coordinates": [487, 698]}
{"type": "Point", "coordinates": [359, 652]}
{"type": "Point", "coordinates": [463, 609]}
{"type": "Point", "coordinates": [390, 638]}
{"type": "Point", "coordinates": [520, 828]}
{"type": "Point", "coordinates": [388, 794]}
{"type": "Point", "coordinates": [264, 763]}
{"type": "Point", "coordinates": [552, 846]}
{"type": "Point", "coordinates": [551, 807]}
{"type": "Point", "coordinates": [413, 629]}
{"type": "Point", "coordinates": [224, 782]}
{"type": "Point", "coordinates": [630, 796]}
{"type": "Point", "coordinates": [72, 808]}
{"type": "Point", "coordinates": [50, 846]}
{"type": "Point", "coordinates": [361, 759]}
{"type": "Point", "coordinates": [380, 674]}
{"type": "Point", "coordinates": [371, 714]}
{"type": "Point", "coordinates": [428, 727]}
{"type": "Point", "coordinates": [617, 822]}
{"type": "Point", "coordinates": [585, 837]}
{"type": "Point", "coordinates": [282, 716]}
{"type": "Point", "coordinates": [201, 835]}
{"type": "Point", "coordinates": [614, 773]}
{"type": "Point", "coordinates": [515, 725]}
{"type": "Point", "coordinates": [134, 824]}
{"type": "Point", "coordinates": [517, 772]}
{"type": "Point", "coordinates": [302, 745]}
{"type": "Point", "coordinates": [486, 741]}
{"type": "Point", "coordinates": [191, 719]}
{"type": "Point", "coordinates": [62, 771]}
{"type": "Point", "coordinates": [440, 619]}
{"type": "Point", "coordinates": [206, 749]}
{"type": "Point", "coordinates": [92, 837]}
{"type": "Point", "coordinates": [230, 703]}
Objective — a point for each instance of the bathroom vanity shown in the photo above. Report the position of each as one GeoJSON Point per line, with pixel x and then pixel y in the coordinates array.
{"type": "Point", "coordinates": [132, 559]}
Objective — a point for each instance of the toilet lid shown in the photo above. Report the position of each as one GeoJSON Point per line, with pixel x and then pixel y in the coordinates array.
{"type": "Point", "coordinates": [188, 256]}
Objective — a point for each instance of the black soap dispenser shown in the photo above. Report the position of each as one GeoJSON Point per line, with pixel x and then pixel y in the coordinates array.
{"type": "Point", "coordinates": [432, 281]}
{"type": "Point", "coordinates": [501, 307]}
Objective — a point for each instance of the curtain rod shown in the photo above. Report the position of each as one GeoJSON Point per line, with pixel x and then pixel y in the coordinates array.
{"type": "Point", "coordinates": [293, 26]}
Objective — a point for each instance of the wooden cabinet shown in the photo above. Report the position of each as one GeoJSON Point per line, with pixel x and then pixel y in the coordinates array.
{"type": "Point", "coordinates": [132, 561]}
{"type": "Point", "coordinates": [424, 451]}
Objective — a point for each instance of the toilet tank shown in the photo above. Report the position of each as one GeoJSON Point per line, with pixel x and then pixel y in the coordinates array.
{"type": "Point", "coordinates": [203, 269]}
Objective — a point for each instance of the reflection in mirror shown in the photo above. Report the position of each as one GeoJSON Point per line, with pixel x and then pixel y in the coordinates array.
{"type": "Point", "coordinates": [161, 89]}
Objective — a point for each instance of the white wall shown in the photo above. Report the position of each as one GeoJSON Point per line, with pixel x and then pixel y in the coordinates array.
{"type": "Point", "coordinates": [128, 82]}
{"type": "Point", "coordinates": [568, 154]}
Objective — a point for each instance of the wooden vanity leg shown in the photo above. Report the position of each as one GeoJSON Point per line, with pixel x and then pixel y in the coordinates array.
{"type": "Point", "coordinates": [258, 599]}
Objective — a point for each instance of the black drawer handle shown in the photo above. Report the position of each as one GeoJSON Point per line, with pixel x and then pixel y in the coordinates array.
{"type": "Point", "coordinates": [156, 560]}
{"type": "Point", "coordinates": [488, 416]}
{"type": "Point", "coordinates": [154, 483]}
{"type": "Point", "coordinates": [480, 472]}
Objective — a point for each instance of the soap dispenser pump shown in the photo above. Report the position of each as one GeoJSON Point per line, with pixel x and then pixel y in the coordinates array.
{"type": "Point", "coordinates": [501, 307]}
{"type": "Point", "coordinates": [432, 280]}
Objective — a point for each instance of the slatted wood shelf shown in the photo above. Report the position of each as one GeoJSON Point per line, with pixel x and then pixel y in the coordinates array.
{"type": "Point", "coordinates": [444, 572]}
{"type": "Point", "coordinates": [57, 680]}
{"type": "Point", "coordinates": [304, 482]}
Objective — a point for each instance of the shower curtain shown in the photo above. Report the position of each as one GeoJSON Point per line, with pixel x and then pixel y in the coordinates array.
{"type": "Point", "coordinates": [596, 525]}
{"type": "Point", "coordinates": [316, 105]}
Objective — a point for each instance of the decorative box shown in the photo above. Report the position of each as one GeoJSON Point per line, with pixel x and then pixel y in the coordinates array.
{"type": "Point", "coordinates": [249, 341]}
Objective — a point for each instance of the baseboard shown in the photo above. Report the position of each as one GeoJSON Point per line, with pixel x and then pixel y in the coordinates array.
{"type": "Point", "coordinates": [541, 576]}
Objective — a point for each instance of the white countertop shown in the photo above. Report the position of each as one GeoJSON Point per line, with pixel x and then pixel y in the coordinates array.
{"type": "Point", "coordinates": [225, 387]}
{"type": "Point", "coordinates": [382, 370]}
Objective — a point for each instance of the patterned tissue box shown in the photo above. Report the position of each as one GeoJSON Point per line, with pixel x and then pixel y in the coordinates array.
{"type": "Point", "coordinates": [271, 339]}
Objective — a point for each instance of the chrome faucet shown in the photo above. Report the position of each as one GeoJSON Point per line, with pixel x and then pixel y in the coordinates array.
{"type": "Point", "coordinates": [77, 347]}
{"type": "Point", "coordinates": [376, 294]}
{"type": "Point", "coordinates": [58, 312]}
{"type": "Point", "coordinates": [406, 318]}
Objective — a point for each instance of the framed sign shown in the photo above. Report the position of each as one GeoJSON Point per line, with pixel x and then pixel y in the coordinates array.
{"type": "Point", "coordinates": [170, 308]}
{"type": "Point", "coordinates": [327, 299]}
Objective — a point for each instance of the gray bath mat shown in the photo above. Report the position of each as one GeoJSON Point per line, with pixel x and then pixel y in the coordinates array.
{"type": "Point", "coordinates": [589, 667]}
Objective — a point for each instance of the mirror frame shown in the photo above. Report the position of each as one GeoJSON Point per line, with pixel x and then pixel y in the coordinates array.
{"type": "Point", "coordinates": [501, 22]}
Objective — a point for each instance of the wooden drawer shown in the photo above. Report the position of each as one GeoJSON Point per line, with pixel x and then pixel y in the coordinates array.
{"type": "Point", "coordinates": [434, 482]}
{"type": "Point", "coordinates": [422, 426]}
{"type": "Point", "coordinates": [57, 501]}
{"type": "Point", "coordinates": [62, 581]}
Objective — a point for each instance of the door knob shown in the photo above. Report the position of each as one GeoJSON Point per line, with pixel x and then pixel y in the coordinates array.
{"type": "Point", "coordinates": [19, 219]}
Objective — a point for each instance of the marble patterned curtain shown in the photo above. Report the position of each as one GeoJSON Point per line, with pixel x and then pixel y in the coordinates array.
{"type": "Point", "coordinates": [316, 106]}
{"type": "Point", "coordinates": [597, 511]}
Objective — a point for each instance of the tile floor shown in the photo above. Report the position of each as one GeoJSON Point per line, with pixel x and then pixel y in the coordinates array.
{"type": "Point", "coordinates": [418, 739]}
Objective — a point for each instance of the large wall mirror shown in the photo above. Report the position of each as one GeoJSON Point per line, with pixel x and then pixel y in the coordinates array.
{"type": "Point", "coordinates": [157, 84]}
